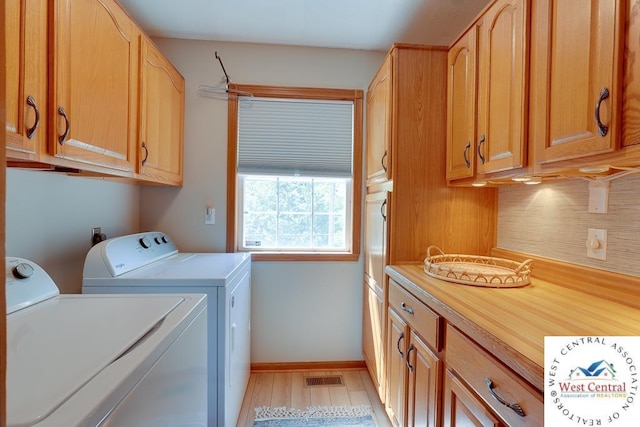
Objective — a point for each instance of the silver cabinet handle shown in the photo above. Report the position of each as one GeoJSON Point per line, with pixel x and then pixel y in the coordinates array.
{"type": "Point", "coordinates": [63, 137]}
{"type": "Point", "coordinates": [513, 406]}
{"type": "Point", "coordinates": [406, 309]}
{"type": "Point", "coordinates": [602, 128]}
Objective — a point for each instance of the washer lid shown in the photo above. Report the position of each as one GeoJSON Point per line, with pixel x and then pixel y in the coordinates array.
{"type": "Point", "coordinates": [57, 346]}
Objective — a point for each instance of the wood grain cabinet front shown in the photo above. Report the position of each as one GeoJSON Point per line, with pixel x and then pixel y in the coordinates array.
{"type": "Point", "coordinates": [461, 107]}
{"type": "Point", "coordinates": [378, 124]}
{"type": "Point", "coordinates": [26, 78]}
{"type": "Point", "coordinates": [374, 309]}
{"type": "Point", "coordinates": [414, 368]}
{"type": "Point", "coordinates": [95, 85]}
{"type": "Point", "coordinates": [486, 120]}
{"type": "Point", "coordinates": [408, 203]}
{"type": "Point", "coordinates": [575, 78]}
{"type": "Point", "coordinates": [489, 389]}
{"type": "Point", "coordinates": [160, 145]}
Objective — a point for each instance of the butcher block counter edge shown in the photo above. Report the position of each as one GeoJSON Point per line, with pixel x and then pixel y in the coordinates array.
{"type": "Point", "coordinates": [511, 323]}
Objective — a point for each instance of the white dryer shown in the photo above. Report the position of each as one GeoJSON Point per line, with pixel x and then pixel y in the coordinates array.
{"type": "Point", "coordinates": [151, 263]}
{"type": "Point", "coordinates": [108, 360]}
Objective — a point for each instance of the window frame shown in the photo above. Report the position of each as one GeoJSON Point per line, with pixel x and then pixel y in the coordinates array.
{"type": "Point", "coordinates": [353, 95]}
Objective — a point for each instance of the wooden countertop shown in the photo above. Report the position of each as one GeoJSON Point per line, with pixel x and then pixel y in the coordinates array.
{"type": "Point", "coordinates": [511, 323]}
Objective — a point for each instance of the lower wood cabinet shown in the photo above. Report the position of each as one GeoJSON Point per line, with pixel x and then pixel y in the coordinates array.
{"type": "Point", "coordinates": [435, 375]}
{"type": "Point", "coordinates": [479, 388]}
{"type": "Point", "coordinates": [413, 368]}
{"type": "Point", "coordinates": [373, 333]}
{"type": "Point", "coordinates": [462, 407]}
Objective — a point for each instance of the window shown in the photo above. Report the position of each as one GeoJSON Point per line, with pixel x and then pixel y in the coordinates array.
{"type": "Point", "coordinates": [294, 173]}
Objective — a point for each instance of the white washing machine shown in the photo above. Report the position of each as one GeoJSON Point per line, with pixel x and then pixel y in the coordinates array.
{"type": "Point", "coordinates": [102, 360]}
{"type": "Point", "coordinates": [151, 263]}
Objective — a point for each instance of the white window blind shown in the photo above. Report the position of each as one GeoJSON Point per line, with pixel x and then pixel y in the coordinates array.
{"type": "Point", "coordinates": [295, 137]}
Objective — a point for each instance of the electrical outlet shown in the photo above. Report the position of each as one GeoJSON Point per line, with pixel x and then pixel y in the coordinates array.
{"type": "Point", "coordinates": [597, 244]}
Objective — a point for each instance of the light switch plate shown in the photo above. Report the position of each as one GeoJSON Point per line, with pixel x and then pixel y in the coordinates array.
{"type": "Point", "coordinates": [209, 216]}
{"type": "Point", "coordinates": [597, 244]}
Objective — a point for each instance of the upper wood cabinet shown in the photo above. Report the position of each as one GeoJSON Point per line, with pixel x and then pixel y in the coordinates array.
{"type": "Point", "coordinates": [575, 83]}
{"type": "Point", "coordinates": [502, 108]}
{"type": "Point", "coordinates": [379, 124]}
{"type": "Point", "coordinates": [486, 121]}
{"type": "Point", "coordinates": [95, 84]}
{"type": "Point", "coordinates": [461, 107]}
{"type": "Point", "coordinates": [161, 117]}
{"type": "Point", "coordinates": [26, 78]}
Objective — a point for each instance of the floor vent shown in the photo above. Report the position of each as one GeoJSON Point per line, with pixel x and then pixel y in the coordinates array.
{"type": "Point", "coordinates": [323, 381]}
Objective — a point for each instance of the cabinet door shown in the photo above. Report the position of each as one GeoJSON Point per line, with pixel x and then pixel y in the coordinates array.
{"type": "Point", "coordinates": [379, 125]}
{"type": "Point", "coordinates": [373, 335]}
{"type": "Point", "coordinates": [461, 107]}
{"type": "Point", "coordinates": [161, 117]}
{"type": "Point", "coordinates": [375, 236]}
{"type": "Point", "coordinates": [95, 84]}
{"type": "Point", "coordinates": [424, 384]}
{"type": "Point", "coordinates": [462, 408]}
{"type": "Point", "coordinates": [501, 133]}
{"type": "Point", "coordinates": [574, 80]}
{"type": "Point", "coordinates": [26, 77]}
{"type": "Point", "coordinates": [397, 337]}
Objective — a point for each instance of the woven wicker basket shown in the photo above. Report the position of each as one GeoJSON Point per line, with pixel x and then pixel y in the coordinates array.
{"type": "Point", "coordinates": [476, 270]}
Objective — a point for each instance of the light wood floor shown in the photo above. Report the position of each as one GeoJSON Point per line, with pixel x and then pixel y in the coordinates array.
{"type": "Point", "coordinates": [288, 389]}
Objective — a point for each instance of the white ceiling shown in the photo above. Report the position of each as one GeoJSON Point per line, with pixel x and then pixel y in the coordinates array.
{"type": "Point", "coordinates": [352, 24]}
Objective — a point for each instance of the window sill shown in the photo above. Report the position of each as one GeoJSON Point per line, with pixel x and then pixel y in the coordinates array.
{"type": "Point", "coordinates": [299, 256]}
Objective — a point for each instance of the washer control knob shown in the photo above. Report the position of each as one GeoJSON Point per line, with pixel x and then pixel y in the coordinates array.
{"type": "Point", "coordinates": [22, 271]}
{"type": "Point", "coordinates": [145, 242]}
{"type": "Point", "coordinates": [165, 239]}
{"type": "Point", "coordinates": [158, 240]}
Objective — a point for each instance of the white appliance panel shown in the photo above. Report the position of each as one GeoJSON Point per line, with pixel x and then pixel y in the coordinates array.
{"type": "Point", "coordinates": [177, 397]}
{"type": "Point", "coordinates": [95, 331]}
{"type": "Point", "coordinates": [219, 276]}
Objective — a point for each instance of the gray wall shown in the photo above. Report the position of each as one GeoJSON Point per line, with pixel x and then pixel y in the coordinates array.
{"type": "Point", "coordinates": [301, 311]}
{"type": "Point", "coordinates": [49, 217]}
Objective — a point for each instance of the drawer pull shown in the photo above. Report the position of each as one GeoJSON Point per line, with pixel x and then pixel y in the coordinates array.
{"type": "Point", "coordinates": [398, 345]}
{"type": "Point", "coordinates": [67, 126]}
{"type": "Point", "coordinates": [480, 150]}
{"type": "Point", "coordinates": [513, 406]}
{"type": "Point", "coordinates": [464, 154]}
{"type": "Point", "coordinates": [602, 128]}
{"type": "Point", "coordinates": [409, 365]}
{"type": "Point", "coordinates": [32, 103]}
{"type": "Point", "coordinates": [383, 161]}
{"type": "Point", "coordinates": [404, 308]}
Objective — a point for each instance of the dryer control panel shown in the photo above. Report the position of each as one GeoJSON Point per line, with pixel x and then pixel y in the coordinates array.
{"type": "Point", "coordinates": [116, 256]}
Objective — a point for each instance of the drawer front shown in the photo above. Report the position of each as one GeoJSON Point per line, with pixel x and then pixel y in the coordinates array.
{"type": "Point", "coordinates": [421, 318]}
{"type": "Point", "coordinates": [475, 366]}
